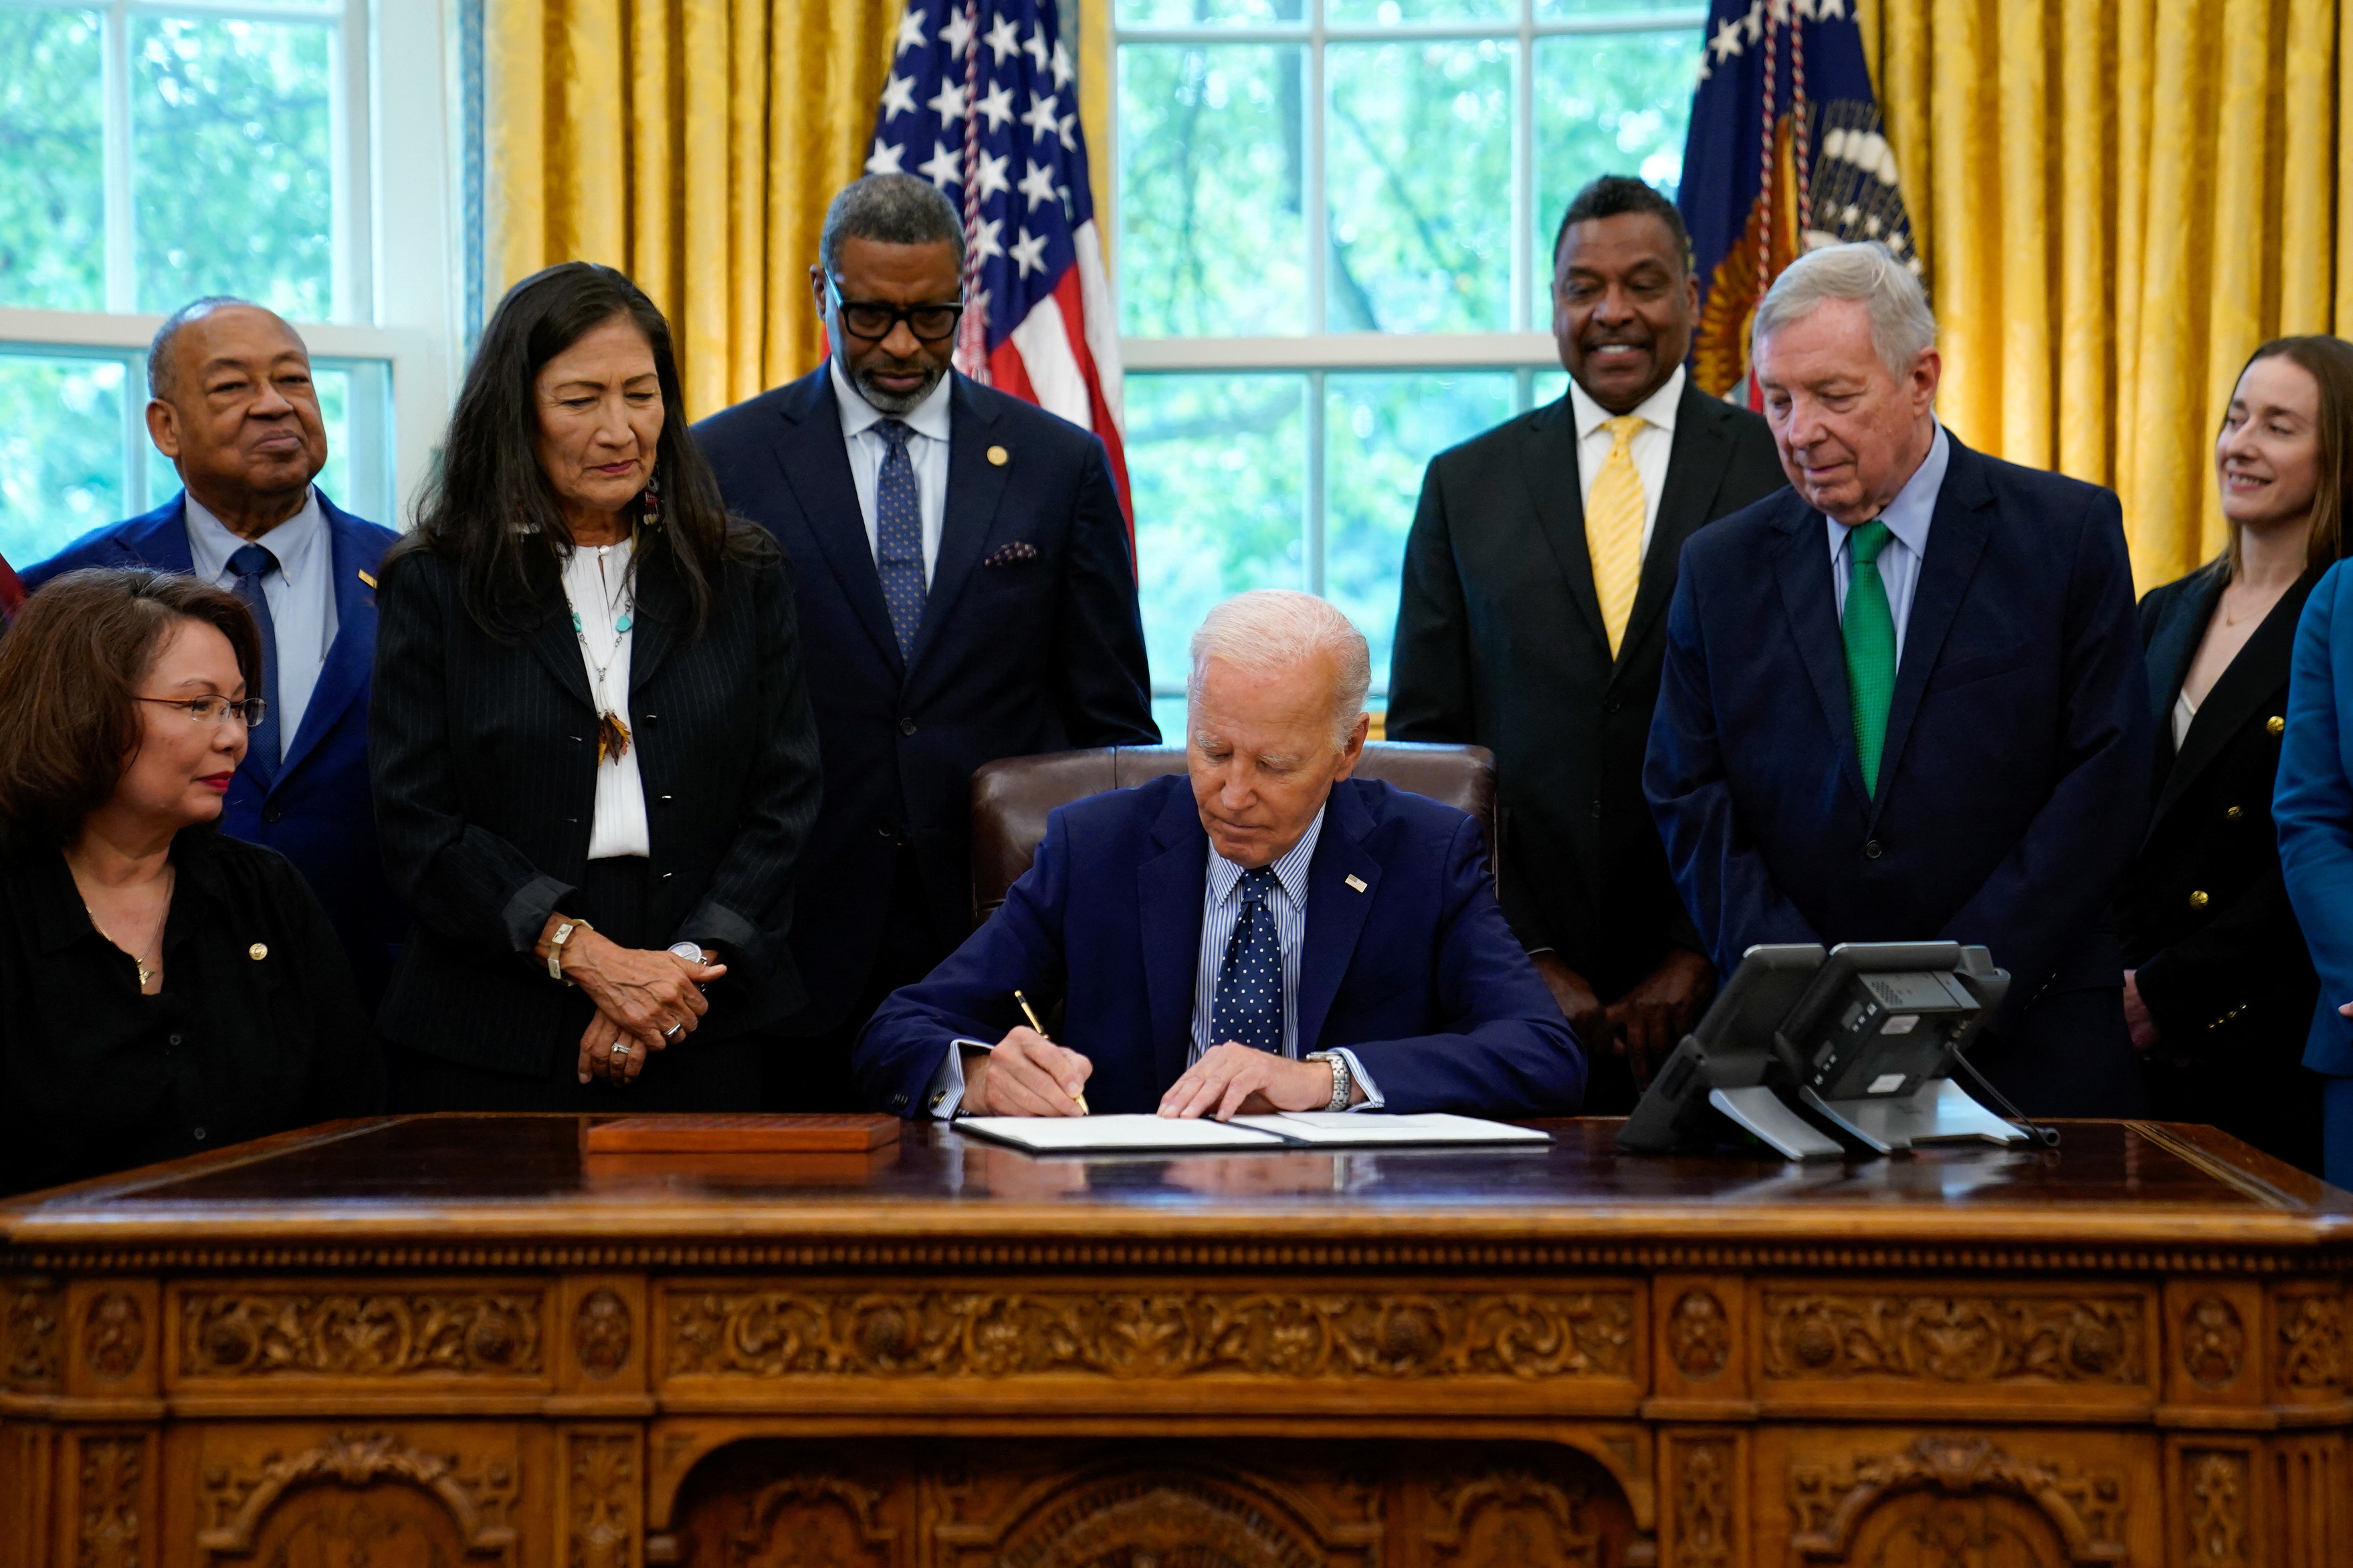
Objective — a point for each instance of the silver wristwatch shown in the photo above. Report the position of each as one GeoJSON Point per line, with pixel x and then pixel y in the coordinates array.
{"type": "Point", "coordinates": [1344, 1087]}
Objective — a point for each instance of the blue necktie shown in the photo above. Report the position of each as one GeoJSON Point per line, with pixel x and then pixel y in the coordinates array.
{"type": "Point", "coordinates": [1249, 982]}
{"type": "Point", "coordinates": [899, 536]}
{"type": "Point", "coordinates": [251, 564]}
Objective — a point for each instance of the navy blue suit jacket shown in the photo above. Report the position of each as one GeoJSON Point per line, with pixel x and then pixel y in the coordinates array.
{"type": "Point", "coordinates": [1416, 972]}
{"type": "Point", "coordinates": [314, 807]}
{"type": "Point", "coordinates": [2014, 785]}
{"type": "Point", "coordinates": [1030, 642]}
{"type": "Point", "coordinates": [2313, 804]}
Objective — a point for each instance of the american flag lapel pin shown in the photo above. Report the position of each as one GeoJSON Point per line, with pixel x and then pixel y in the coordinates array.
{"type": "Point", "coordinates": [1356, 881]}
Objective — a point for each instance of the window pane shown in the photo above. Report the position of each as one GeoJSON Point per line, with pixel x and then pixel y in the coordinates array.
{"type": "Point", "coordinates": [1606, 103]}
{"type": "Point", "coordinates": [60, 452]}
{"type": "Point", "coordinates": [1418, 165]}
{"type": "Point", "coordinates": [1212, 241]}
{"type": "Point", "coordinates": [1696, 11]}
{"type": "Point", "coordinates": [52, 184]}
{"type": "Point", "coordinates": [1388, 12]}
{"type": "Point", "coordinates": [229, 151]}
{"type": "Point", "coordinates": [1218, 468]}
{"type": "Point", "coordinates": [1197, 13]}
{"type": "Point", "coordinates": [1547, 386]}
{"type": "Point", "coordinates": [354, 398]}
{"type": "Point", "coordinates": [1379, 433]}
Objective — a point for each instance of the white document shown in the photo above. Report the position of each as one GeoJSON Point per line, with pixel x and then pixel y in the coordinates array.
{"type": "Point", "coordinates": [1360, 1130]}
{"type": "Point", "coordinates": [1116, 1135]}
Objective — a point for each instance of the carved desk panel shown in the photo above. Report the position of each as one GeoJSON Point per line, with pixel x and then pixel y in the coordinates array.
{"type": "Point", "coordinates": [456, 1342]}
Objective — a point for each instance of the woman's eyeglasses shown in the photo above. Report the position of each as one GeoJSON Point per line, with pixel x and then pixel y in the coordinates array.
{"type": "Point", "coordinates": [249, 710]}
{"type": "Point", "coordinates": [871, 322]}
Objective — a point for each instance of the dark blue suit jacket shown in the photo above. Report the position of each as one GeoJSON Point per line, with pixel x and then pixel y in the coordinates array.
{"type": "Point", "coordinates": [2314, 807]}
{"type": "Point", "coordinates": [314, 807]}
{"type": "Point", "coordinates": [1030, 642]}
{"type": "Point", "coordinates": [1416, 972]}
{"type": "Point", "coordinates": [2014, 785]}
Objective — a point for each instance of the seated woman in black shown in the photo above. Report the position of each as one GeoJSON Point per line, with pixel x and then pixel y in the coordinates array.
{"type": "Point", "coordinates": [2219, 987]}
{"type": "Point", "coordinates": [167, 990]}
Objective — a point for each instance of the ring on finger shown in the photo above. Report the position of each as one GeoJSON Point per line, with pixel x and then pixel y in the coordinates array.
{"type": "Point", "coordinates": [620, 1049]}
{"type": "Point", "coordinates": [673, 1031]}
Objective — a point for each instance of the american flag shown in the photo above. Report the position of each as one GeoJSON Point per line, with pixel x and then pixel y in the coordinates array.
{"type": "Point", "coordinates": [982, 100]}
{"type": "Point", "coordinates": [12, 593]}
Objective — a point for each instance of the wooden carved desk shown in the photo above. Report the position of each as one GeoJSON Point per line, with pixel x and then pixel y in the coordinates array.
{"type": "Point", "coordinates": [452, 1340]}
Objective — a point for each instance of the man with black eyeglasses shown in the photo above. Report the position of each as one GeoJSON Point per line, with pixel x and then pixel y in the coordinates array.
{"type": "Point", "coordinates": [966, 593]}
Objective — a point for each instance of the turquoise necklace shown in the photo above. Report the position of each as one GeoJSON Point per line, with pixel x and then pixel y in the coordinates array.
{"type": "Point", "coordinates": [612, 733]}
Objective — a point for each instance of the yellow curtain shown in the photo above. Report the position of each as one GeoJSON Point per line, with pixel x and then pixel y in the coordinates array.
{"type": "Point", "coordinates": [692, 144]}
{"type": "Point", "coordinates": [2118, 200]}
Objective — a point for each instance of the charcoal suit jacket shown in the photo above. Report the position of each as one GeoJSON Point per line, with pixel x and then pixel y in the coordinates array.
{"type": "Point", "coordinates": [1030, 642]}
{"type": "Point", "coordinates": [2014, 785]}
{"type": "Point", "coordinates": [1500, 642]}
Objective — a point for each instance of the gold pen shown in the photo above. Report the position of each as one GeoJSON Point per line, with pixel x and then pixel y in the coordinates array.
{"type": "Point", "coordinates": [1031, 1013]}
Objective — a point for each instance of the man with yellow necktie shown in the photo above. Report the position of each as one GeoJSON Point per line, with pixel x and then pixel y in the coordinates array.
{"type": "Point", "coordinates": [1537, 580]}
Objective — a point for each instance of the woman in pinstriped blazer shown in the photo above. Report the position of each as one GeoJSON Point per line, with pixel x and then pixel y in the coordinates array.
{"type": "Point", "coordinates": [594, 756]}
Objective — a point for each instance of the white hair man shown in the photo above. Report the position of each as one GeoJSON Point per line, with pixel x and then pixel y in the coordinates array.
{"type": "Point", "coordinates": [1903, 700]}
{"type": "Point", "coordinates": [1263, 933]}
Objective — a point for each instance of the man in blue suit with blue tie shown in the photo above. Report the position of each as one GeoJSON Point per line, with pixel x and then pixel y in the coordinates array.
{"type": "Point", "coordinates": [231, 403]}
{"type": "Point", "coordinates": [1263, 933]}
{"type": "Point", "coordinates": [1903, 700]}
{"type": "Point", "coordinates": [966, 593]}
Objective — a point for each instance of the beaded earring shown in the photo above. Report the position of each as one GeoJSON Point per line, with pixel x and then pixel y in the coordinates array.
{"type": "Point", "coordinates": [649, 502]}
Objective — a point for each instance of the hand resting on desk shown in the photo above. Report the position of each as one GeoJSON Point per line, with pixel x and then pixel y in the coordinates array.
{"type": "Point", "coordinates": [1233, 1079]}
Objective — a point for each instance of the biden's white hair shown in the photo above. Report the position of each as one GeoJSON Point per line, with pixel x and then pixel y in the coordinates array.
{"type": "Point", "coordinates": [1902, 325]}
{"type": "Point", "coordinates": [1274, 631]}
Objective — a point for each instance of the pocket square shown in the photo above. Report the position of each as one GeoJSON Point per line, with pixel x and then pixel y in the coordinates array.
{"type": "Point", "coordinates": [1005, 555]}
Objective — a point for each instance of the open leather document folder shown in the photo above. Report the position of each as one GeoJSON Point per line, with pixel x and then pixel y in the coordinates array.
{"type": "Point", "coordinates": [1286, 1130]}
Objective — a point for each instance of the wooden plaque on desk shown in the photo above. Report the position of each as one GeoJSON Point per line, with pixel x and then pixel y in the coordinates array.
{"type": "Point", "coordinates": [462, 1339]}
{"type": "Point", "coordinates": [694, 1134]}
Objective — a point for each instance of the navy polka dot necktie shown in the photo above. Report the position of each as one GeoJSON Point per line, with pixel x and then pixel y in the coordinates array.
{"type": "Point", "coordinates": [899, 536]}
{"type": "Point", "coordinates": [251, 564]}
{"type": "Point", "coordinates": [1249, 982]}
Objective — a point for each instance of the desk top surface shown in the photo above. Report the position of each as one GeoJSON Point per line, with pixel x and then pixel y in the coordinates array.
{"type": "Point", "coordinates": [486, 1179]}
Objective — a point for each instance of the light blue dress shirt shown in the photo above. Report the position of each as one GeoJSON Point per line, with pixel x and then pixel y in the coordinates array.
{"type": "Point", "coordinates": [300, 593]}
{"type": "Point", "coordinates": [928, 452]}
{"type": "Point", "coordinates": [1907, 518]}
{"type": "Point", "coordinates": [1221, 908]}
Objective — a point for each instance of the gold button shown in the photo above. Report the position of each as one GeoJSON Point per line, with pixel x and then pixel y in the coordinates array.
{"type": "Point", "coordinates": [2198, 900]}
{"type": "Point", "coordinates": [999, 457]}
{"type": "Point", "coordinates": [2275, 724]}
{"type": "Point", "coordinates": [2235, 813]}
{"type": "Point", "coordinates": [258, 952]}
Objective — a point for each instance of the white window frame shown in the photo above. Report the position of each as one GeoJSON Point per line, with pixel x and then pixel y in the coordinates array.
{"type": "Point", "coordinates": [397, 277]}
{"type": "Point", "coordinates": [1527, 349]}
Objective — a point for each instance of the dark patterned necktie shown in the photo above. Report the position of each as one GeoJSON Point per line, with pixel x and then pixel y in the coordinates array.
{"type": "Point", "coordinates": [1250, 982]}
{"type": "Point", "coordinates": [252, 564]}
{"type": "Point", "coordinates": [899, 536]}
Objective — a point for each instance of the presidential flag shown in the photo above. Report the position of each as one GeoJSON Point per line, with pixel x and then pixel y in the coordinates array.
{"type": "Point", "coordinates": [1785, 154]}
{"type": "Point", "coordinates": [982, 101]}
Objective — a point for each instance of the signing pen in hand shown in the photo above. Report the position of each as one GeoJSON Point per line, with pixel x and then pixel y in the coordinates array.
{"type": "Point", "coordinates": [1030, 1013]}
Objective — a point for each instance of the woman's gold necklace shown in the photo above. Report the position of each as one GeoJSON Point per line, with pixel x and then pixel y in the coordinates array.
{"type": "Point", "coordinates": [145, 974]}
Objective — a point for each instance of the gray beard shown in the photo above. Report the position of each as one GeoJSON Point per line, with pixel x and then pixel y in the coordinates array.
{"type": "Point", "coordinates": [894, 403]}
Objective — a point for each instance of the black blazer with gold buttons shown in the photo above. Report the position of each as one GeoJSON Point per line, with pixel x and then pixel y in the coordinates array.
{"type": "Point", "coordinates": [2204, 914]}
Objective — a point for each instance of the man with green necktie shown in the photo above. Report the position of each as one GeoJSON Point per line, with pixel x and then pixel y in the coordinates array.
{"type": "Point", "coordinates": [1903, 700]}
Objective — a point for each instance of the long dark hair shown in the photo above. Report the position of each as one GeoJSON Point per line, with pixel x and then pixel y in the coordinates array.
{"type": "Point", "coordinates": [2329, 362]}
{"type": "Point", "coordinates": [488, 507]}
{"type": "Point", "coordinates": [71, 669]}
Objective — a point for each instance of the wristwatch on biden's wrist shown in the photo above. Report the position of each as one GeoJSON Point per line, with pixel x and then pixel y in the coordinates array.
{"type": "Point", "coordinates": [1344, 1087]}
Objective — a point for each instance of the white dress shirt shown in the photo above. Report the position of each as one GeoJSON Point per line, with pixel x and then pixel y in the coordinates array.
{"type": "Point", "coordinates": [594, 579]}
{"type": "Point", "coordinates": [928, 451]}
{"type": "Point", "coordinates": [1907, 518]}
{"type": "Point", "coordinates": [301, 595]}
{"type": "Point", "coordinates": [1221, 906]}
{"type": "Point", "coordinates": [1652, 444]}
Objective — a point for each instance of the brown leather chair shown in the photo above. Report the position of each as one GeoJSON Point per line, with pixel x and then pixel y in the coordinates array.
{"type": "Point", "coordinates": [1011, 799]}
